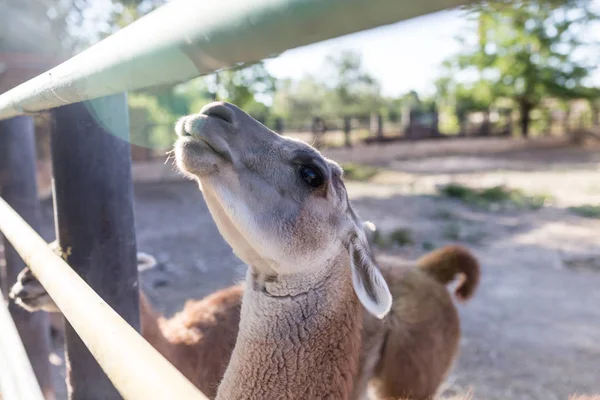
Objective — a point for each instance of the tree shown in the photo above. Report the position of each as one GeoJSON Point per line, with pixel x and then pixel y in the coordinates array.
{"type": "Point", "coordinates": [527, 50]}
{"type": "Point", "coordinates": [411, 100]}
{"type": "Point", "coordinates": [64, 23]}
{"type": "Point", "coordinates": [241, 85]}
{"type": "Point", "coordinates": [298, 101]}
{"type": "Point", "coordinates": [244, 85]}
{"type": "Point", "coordinates": [355, 90]}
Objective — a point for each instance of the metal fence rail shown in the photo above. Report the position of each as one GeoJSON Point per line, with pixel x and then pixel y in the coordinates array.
{"type": "Point", "coordinates": [181, 40]}
{"type": "Point", "coordinates": [136, 369]}
{"type": "Point", "coordinates": [187, 38]}
{"type": "Point", "coordinates": [17, 380]}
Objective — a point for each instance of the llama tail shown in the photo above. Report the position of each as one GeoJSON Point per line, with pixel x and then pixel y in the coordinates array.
{"type": "Point", "coordinates": [445, 263]}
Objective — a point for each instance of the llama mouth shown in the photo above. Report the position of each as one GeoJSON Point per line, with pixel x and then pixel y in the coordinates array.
{"type": "Point", "coordinates": [199, 145]}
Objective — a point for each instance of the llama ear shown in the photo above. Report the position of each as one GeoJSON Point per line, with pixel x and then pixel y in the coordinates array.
{"type": "Point", "coordinates": [369, 284]}
{"type": "Point", "coordinates": [370, 230]}
{"type": "Point", "coordinates": [369, 226]}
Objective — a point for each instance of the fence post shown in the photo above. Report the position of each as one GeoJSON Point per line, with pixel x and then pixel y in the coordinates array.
{"type": "Point", "coordinates": [318, 129]}
{"type": "Point", "coordinates": [279, 125]}
{"type": "Point", "coordinates": [19, 189]}
{"type": "Point", "coordinates": [347, 130]}
{"type": "Point", "coordinates": [94, 221]}
{"type": "Point", "coordinates": [435, 122]}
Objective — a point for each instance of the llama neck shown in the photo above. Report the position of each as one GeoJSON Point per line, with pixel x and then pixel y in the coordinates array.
{"type": "Point", "coordinates": [296, 344]}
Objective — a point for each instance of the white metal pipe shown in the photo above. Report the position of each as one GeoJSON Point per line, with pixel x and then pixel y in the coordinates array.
{"type": "Point", "coordinates": [136, 369]}
{"type": "Point", "coordinates": [187, 38]}
{"type": "Point", "coordinates": [17, 380]}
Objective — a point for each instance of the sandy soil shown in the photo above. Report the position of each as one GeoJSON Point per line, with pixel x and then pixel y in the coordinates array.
{"type": "Point", "coordinates": [533, 329]}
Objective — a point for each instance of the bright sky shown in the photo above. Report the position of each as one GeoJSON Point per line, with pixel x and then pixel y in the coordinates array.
{"type": "Point", "coordinates": [402, 56]}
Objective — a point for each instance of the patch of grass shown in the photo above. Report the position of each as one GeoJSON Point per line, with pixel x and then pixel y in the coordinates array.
{"type": "Point", "coordinates": [457, 191]}
{"type": "Point", "coordinates": [583, 263]}
{"type": "Point", "coordinates": [445, 215]}
{"type": "Point", "coordinates": [475, 238]}
{"type": "Point", "coordinates": [428, 246]}
{"type": "Point", "coordinates": [452, 231]}
{"type": "Point", "coordinates": [401, 237]}
{"type": "Point", "coordinates": [587, 211]}
{"type": "Point", "coordinates": [359, 172]}
{"type": "Point", "coordinates": [398, 237]}
{"type": "Point", "coordinates": [456, 232]}
{"type": "Point", "coordinates": [494, 197]}
{"type": "Point", "coordinates": [379, 240]}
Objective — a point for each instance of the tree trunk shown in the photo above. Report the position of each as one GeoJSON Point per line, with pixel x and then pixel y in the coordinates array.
{"type": "Point", "coordinates": [549, 122]}
{"type": "Point", "coordinates": [216, 93]}
{"type": "Point", "coordinates": [485, 126]}
{"type": "Point", "coordinates": [435, 123]}
{"type": "Point", "coordinates": [318, 129]}
{"type": "Point", "coordinates": [509, 123]}
{"type": "Point", "coordinates": [525, 118]}
{"type": "Point", "coordinates": [566, 121]}
{"type": "Point", "coordinates": [376, 125]}
{"type": "Point", "coordinates": [347, 129]}
{"type": "Point", "coordinates": [462, 126]}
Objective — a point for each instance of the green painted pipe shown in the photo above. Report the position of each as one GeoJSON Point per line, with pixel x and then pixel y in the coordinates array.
{"type": "Point", "coordinates": [187, 38]}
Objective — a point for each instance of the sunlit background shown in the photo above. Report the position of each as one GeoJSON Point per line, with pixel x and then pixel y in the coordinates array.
{"type": "Point", "coordinates": [478, 126]}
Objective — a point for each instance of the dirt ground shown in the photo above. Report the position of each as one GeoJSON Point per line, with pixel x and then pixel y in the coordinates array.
{"type": "Point", "coordinates": [533, 329]}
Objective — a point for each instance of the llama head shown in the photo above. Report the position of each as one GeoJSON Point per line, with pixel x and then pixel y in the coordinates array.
{"type": "Point", "coordinates": [278, 202]}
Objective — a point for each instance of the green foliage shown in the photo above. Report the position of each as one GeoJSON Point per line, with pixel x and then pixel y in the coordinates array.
{"type": "Point", "coordinates": [258, 110]}
{"type": "Point", "coordinates": [401, 237]}
{"type": "Point", "coordinates": [124, 12]}
{"type": "Point", "coordinates": [379, 240]}
{"type": "Point", "coordinates": [524, 51]}
{"type": "Point", "coordinates": [66, 23]}
{"type": "Point", "coordinates": [452, 231]}
{"type": "Point", "coordinates": [243, 84]}
{"type": "Point", "coordinates": [411, 100]}
{"type": "Point", "coordinates": [477, 96]}
{"type": "Point", "coordinates": [298, 101]}
{"type": "Point", "coordinates": [398, 237]}
{"type": "Point", "coordinates": [151, 125]}
{"type": "Point", "coordinates": [494, 197]}
{"type": "Point", "coordinates": [428, 246]}
{"type": "Point", "coordinates": [587, 211]}
{"type": "Point", "coordinates": [445, 214]}
{"type": "Point", "coordinates": [359, 172]}
{"type": "Point", "coordinates": [153, 112]}
{"type": "Point", "coordinates": [347, 89]}
{"type": "Point", "coordinates": [356, 91]}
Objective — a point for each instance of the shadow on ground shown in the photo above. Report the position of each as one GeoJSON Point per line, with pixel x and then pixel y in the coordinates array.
{"type": "Point", "coordinates": [531, 332]}
{"type": "Point", "coordinates": [520, 160]}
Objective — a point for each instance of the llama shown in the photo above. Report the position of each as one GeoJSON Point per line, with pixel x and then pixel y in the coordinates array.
{"type": "Point", "coordinates": [199, 339]}
{"type": "Point", "coordinates": [311, 265]}
{"type": "Point", "coordinates": [284, 210]}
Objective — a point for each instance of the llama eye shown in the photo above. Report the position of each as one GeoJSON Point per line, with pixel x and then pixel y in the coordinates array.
{"type": "Point", "coordinates": [311, 175]}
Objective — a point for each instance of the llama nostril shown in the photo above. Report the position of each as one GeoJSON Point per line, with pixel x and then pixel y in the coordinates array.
{"type": "Point", "coordinates": [219, 111]}
{"type": "Point", "coordinates": [180, 128]}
